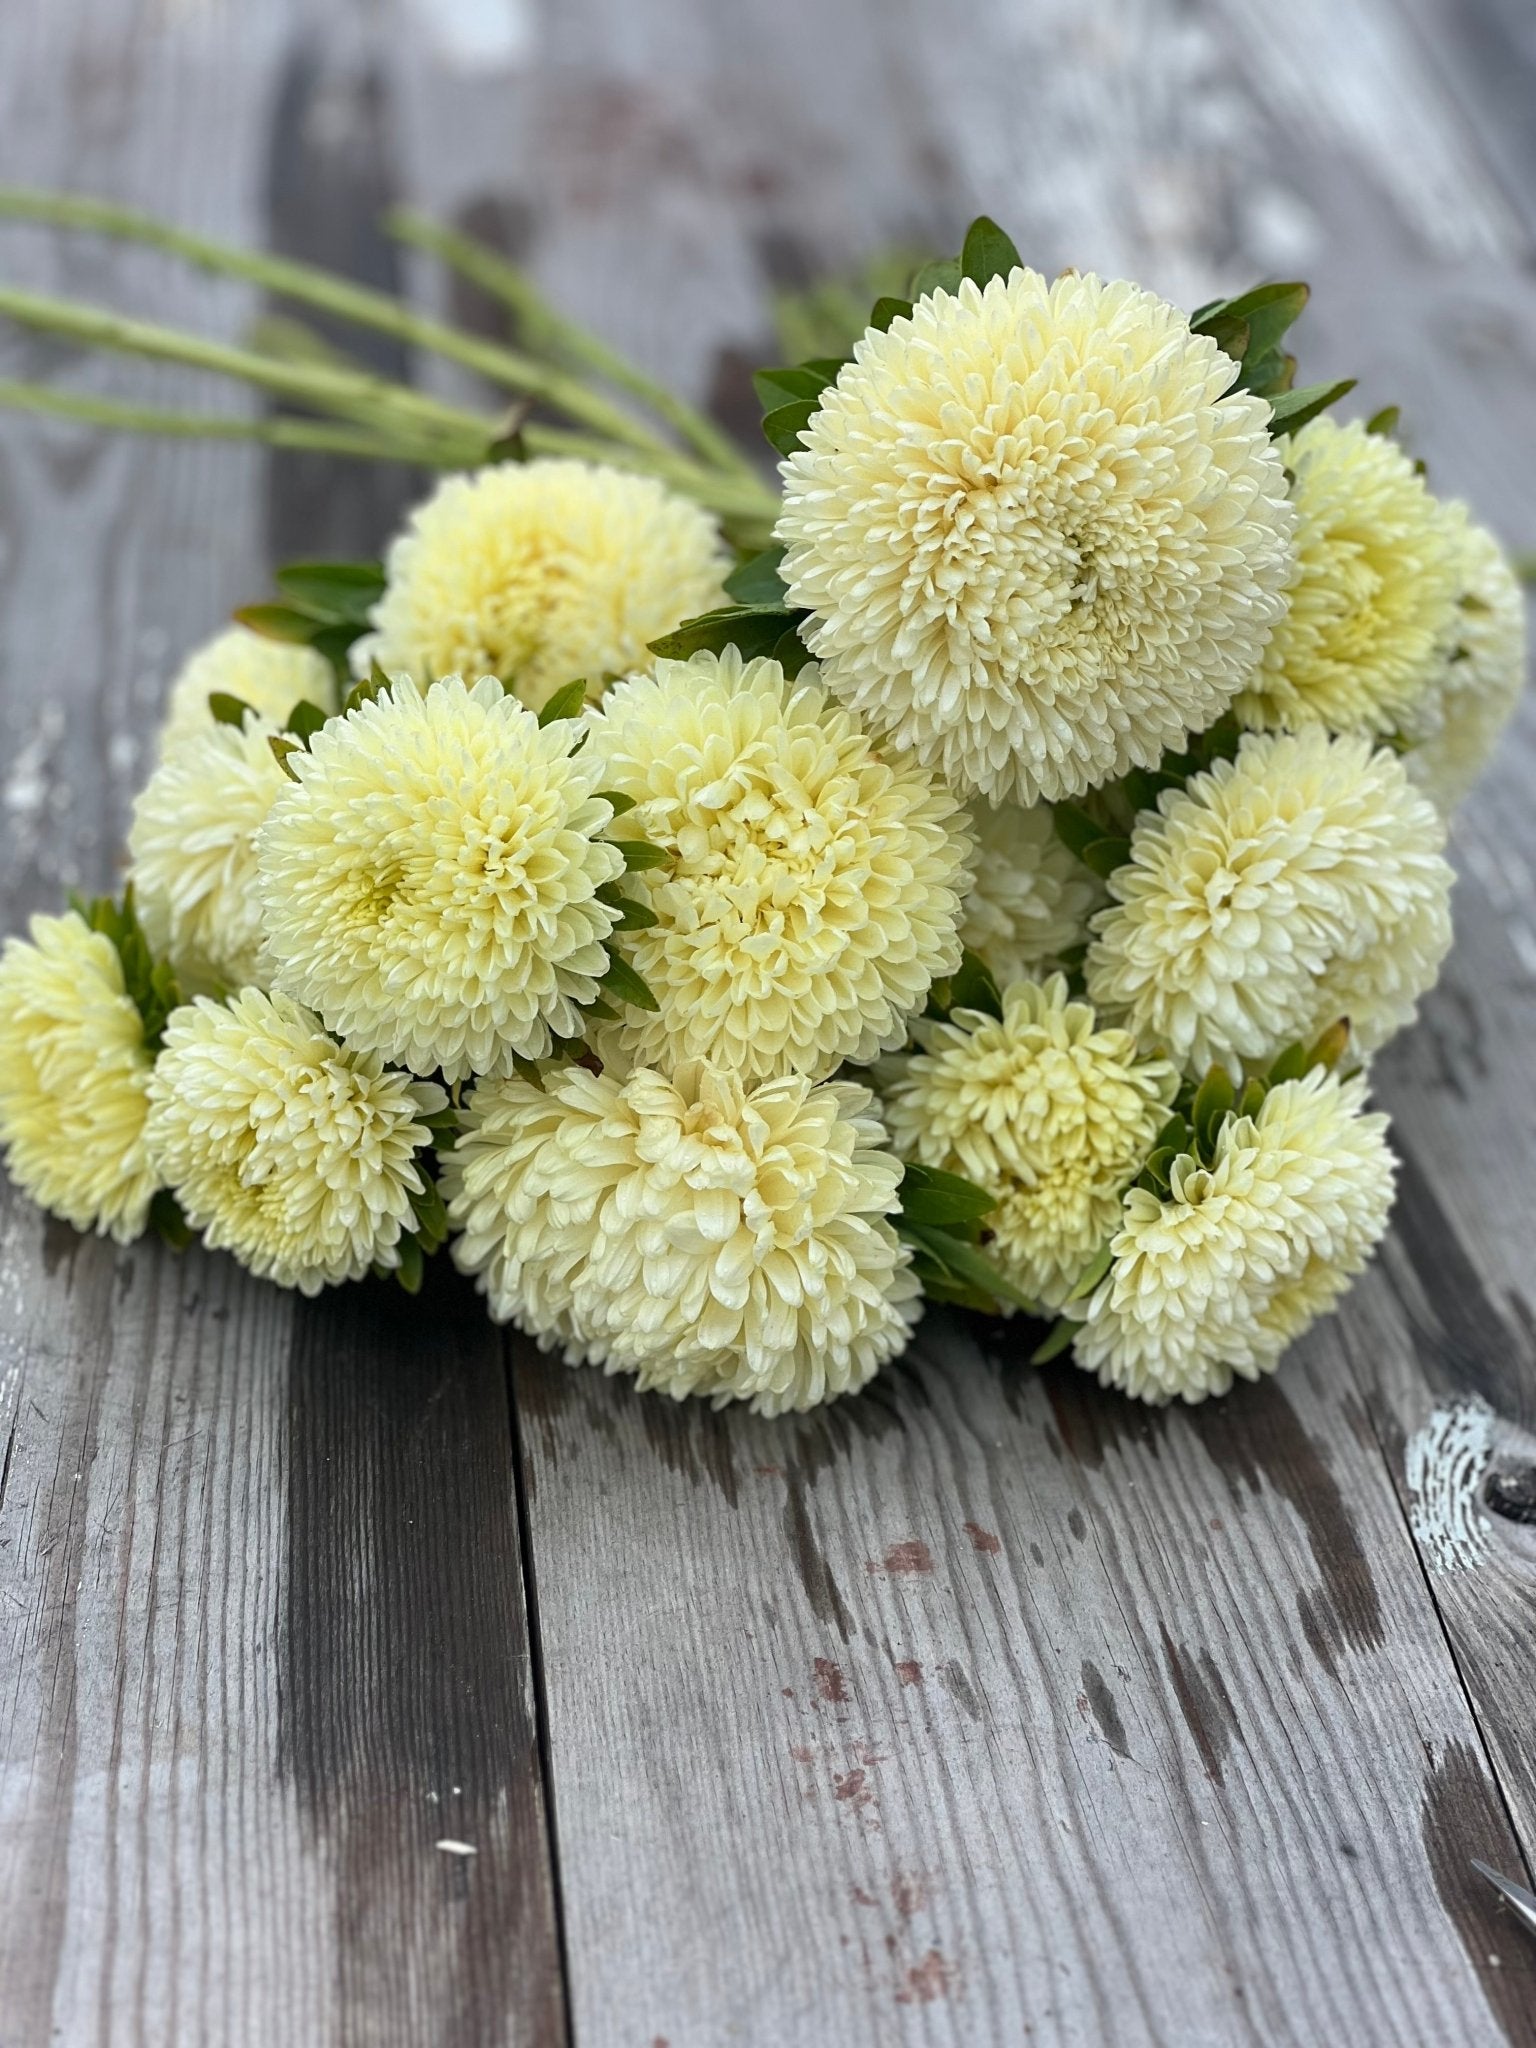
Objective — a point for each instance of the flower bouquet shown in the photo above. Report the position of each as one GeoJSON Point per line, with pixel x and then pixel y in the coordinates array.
{"type": "Point", "coordinates": [981, 869]}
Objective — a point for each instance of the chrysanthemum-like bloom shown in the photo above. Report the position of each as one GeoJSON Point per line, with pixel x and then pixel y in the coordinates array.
{"type": "Point", "coordinates": [1032, 897]}
{"type": "Point", "coordinates": [1299, 884]}
{"type": "Point", "coordinates": [193, 847]}
{"type": "Point", "coordinates": [813, 890]}
{"type": "Point", "coordinates": [540, 572]}
{"type": "Point", "coordinates": [1374, 603]}
{"type": "Point", "coordinates": [74, 1071]}
{"type": "Point", "coordinates": [1039, 542]}
{"type": "Point", "coordinates": [272, 676]}
{"type": "Point", "coordinates": [430, 884]}
{"type": "Point", "coordinates": [1048, 1112]}
{"type": "Point", "coordinates": [1479, 682]}
{"type": "Point", "coordinates": [1246, 1252]}
{"type": "Point", "coordinates": [710, 1237]}
{"type": "Point", "coordinates": [292, 1152]}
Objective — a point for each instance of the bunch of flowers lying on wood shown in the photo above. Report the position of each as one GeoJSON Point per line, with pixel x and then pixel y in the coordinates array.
{"type": "Point", "coordinates": [982, 869]}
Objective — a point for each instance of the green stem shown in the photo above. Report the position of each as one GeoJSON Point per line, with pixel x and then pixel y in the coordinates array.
{"type": "Point", "coordinates": [514, 288]}
{"type": "Point", "coordinates": [357, 303]}
{"type": "Point", "coordinates": [319, 435]}
{"type": "Point", "coordinates": [307, 383]}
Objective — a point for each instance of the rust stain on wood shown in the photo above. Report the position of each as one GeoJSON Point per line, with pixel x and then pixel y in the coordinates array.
{"type": "Point", "coordinates": [829, 1682]}
{"type": "Point", "coordinates": [983, 1542]}
{"type": "Point", "coordinates": [926, 1982]}
{"type": "Point", "coordinates": [909, 1559]}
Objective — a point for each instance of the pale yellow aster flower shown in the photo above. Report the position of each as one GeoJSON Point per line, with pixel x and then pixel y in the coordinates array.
{"type": "Point", "coordinates": [1048, 1111]}
{"type": "Point", "coordinates": [193, 848]}
{"type": "Point", "coordinates": [1245, 1253]}
{"type": "Point", "coordinates": [812, 891]}
{"type": "Point", "coordinates": [1374, 602]}
{"type": "Point", "coordinates": [294, 1153]}
{"type": "Point", "coordinates": [1300, 883]}
{"type": "Point", "coordinates": [1032, 897]}
{"type": "Point", "coordinates": [74, 1073]}
{"type": "Point", "coordinates": [708, 1236]}
{"type": "Point", "coordinates": [540, 572]}
{"type": "Point", "coordinates": [1041, 539]}
{"type": "Point", "coordinates": [272, 676]}
{"type": "Point", "coordinates": [1478, 684]}
{"type": "Point", "coordinates": [429, 884]}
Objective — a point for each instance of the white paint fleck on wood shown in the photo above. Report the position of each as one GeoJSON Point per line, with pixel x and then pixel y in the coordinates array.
{"type": "Point", "coordinates": [1444, 1466]}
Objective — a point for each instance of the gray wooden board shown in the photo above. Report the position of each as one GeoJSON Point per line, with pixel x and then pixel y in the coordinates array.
{"type": "Point", "coordinates": [986, 1707]}
{"type": "Point", "coordinates": [262, 1635]}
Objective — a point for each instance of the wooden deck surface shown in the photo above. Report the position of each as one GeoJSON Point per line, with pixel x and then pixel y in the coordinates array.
{"type": "Point", "coordinates": [985, 1708]}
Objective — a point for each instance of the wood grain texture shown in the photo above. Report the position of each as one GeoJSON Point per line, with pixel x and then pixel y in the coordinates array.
{"type": "Point", "coordinates": [984, 1708]}
{"type": "Point", "coordinates": [262, 1636]}
{"type": "Point", "coordinates": [1108, 1905]}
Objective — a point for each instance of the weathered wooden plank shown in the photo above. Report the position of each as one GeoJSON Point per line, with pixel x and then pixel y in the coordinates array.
{"type": "Point", "coordinates": [953, 1803]}
{"type": "Point", "coordinates": [987, 1708]}
{"type": "Point", "coordinates": [262, 1633]}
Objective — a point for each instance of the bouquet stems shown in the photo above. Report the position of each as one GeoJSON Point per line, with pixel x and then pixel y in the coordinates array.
{"type": "Point", "coordinates": [367, 415]}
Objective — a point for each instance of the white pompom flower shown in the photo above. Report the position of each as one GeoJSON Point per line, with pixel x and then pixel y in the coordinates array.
{"type": "Point", "coordinates": [1048, 1111]}
{"type": "Point", "coordinates": [430, 882]}
{"type": "Point", "coordinates": [1301, 883]}
{"type": "Point", "coordinates": [1479, 683]}
{"type": "Point", "coordinates": [1374, 602]}
{"type": "Point", "coordinates": [294, 1153]}
{"type": "Point", "coordinates": [1041, 539]}
{"type": "Point", "coordinates": [710, 1237]}
{"type": "Point", "coordinates": [192, 844]}
{"type": "Point", "coordinates": [74, 1078]}
{"type": "Point", "coordinates": [1032, 897]}
{"type": "Point", "coordinates": [540, 572]}
{"type": "Point", "coordinates": [1245, 1253]}
{"type": "Point", "coordinates": [812, 890]}
{"type": "Point", "coordinates": [272, 676]}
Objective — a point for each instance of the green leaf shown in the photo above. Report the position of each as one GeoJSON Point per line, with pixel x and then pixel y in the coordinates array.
{"type": "Point", "coordinates": [569, 701]}
{"type": "Point", "coordinates": [1292, 409]}
{"type": "Point", "coordinates": [338, 591]}
{"type": "Point", "coordinates": [754, 629]}
{"type": "Point", "coordinates": [640, 854]}
{"type": "Point", "coordinates": [1251, 1101]}
{"type": "Point", "coordinates": [1063, 1336]}
{"type": "Point", "coordinates": [786, 423]}
{"type": "Point", "coordinates": [625, 985]}
{"type": "Point", "coordinates": [1213, 1098]}
{"type": "Point", "coordinates": [791, 652]}
{"type": "Point", "coordinates": [167, 1220]}
{"type": "Point", "coordinates": [1331, 1047]}
{"type": "Point", "coordinates": [940, 1200]}
{"type": "Point", "coordinates": [227, 709]}
{"type": "Point", "coordinates": [1074, 828]}
{"type": "Point", "coordinates": [282, 747]}
{"type": "Point", "coordinates": [988, 252]}
{"type": "Point", "coordinates": [412, 1266]}
{"type": "Point", "coordinates": [974, 986]}
{"type": "Point", "coordinates": [886, 310]}
{"type": "Point", "coordinates": [757, 582]}
{"type": "Point", "coordinates": [1103, 856]}
{"type": "Point", "coordinates": [431, 1216]}
{"type": "Point", "coordinates": [943, 275]}
{"type": "Point", "coordinates": [375, 684]}
{"type": "Point", "coordinates": [790, 386]}
{"type": "Point", "coordinates": [1092, 1273]}
{"type": "Point", "coordinates": [964, 1262]}
{"type": "Point", "coordinates": [1289, 1066]}
{"type": "Point", "coordinates": [633, 916]}
{"type": "Point", "coordinates": [305, 720]}
{"type": "Point", "coordinates": [443, 1124]}
{"type": "Point", "coordinates": [619, 802]}
{"type": "Point", "coordinates": [279, 622]}
{"type": "Point", "coordinates": [1386, 421]}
